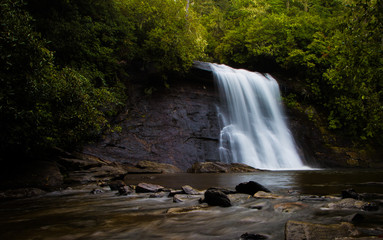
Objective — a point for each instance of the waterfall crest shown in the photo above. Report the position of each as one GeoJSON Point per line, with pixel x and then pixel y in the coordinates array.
{"type": "Point", "coordinates": [253, 127]}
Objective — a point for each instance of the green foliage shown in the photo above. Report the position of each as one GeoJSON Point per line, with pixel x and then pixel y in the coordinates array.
{"type": "Point", "coordinates": [334, 47]}
{"type": "Point", "coordinates": [355, 76]}
{"type": "Point", "coordinates": [166, 35]}
{"type": "Point", "coordinates": [43, 106]}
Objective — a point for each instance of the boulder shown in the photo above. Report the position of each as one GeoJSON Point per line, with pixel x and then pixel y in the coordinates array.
{"type": "Point", "coordinates": [148, 188]}
{"type": "Point", "coordinates": [115, 185]}
{"type": "Point", "coordinates": [189, 190]}
{"type": "Point", "coordinates": [351, 193]}
{"type": "Point", "coordinates": [295, 230]}
{"type": "Point", "coordinates": [250, 236]}
{"type": "Point", "coordinates": [216, 198]}
{"type": "Point", "coordinates": [250, 188]}
{"type": "Point", "coordinates": [124, 190]}
{"type": "Point", "coordinates": [350, 203]}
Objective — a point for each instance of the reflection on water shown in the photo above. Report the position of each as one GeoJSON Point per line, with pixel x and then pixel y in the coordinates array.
{"type": "Point", "coordinates": [76, 214]}
{"type": "Point", "coordinates": [306, 182]}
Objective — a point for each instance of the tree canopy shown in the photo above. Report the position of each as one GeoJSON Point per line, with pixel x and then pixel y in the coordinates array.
{"type": "Point", "coordinates": [65, 64]}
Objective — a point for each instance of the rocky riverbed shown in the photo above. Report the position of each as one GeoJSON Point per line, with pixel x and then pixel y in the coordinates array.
{"type": "Point", "coordinates": [146, 210]}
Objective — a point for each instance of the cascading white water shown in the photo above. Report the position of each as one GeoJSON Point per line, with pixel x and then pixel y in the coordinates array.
{"type": "Point", "coordinates": [253, 128]}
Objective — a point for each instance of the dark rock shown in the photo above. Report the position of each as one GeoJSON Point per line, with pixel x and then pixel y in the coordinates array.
{"type": "Point", "coordinates": [172, 122]}
{"type": "Point", "coordinates": [172, 193]}
{"type": "Point", "coordinates": [354, 218]}
{"type": "Point", "coordinates": [20, 193]}
{"type": "Point", "coordinates": [177, 199]}
{"type": "Point", "coordinates": [44, 175]}
{"type": "Point", "coordinates": [148, 187]}
{"type": "Point", "coordinates": [224, 190]}
{"type": "Point", "coordinates": [153, 167]}
{"type": "Point", "coordinates": [208, 167]}
{"type": "Point", "coordinates": [351, 193]}
{"type": "Point", "coordinates": [295, 230]}
{"type": "Point", "coordinates": [370, 206]}
{"type": "Point", "coordinates": [189, 190]}
{"type": "Point", "coordinates": [241, 168]}
{"type": "Point", "coordinates": [250, 236]}
{"type": "Point", "coordinates": [216, 198]}
{"type": "Point", "coordinates": [250, 188]}
{"type": "Point", "coordinates": [219, 167]}
{"type": "Point", "coordinates": [124, 190]}
{"type": "Point", "coordinates": [158, 195]}
{"type": "Point", "coordinates": [115, 185]}
{"type": "Point", "coordinates": [96, 191]}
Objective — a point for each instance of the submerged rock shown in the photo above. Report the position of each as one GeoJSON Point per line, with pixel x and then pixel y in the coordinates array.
{"type": "Point", "coordinates": [124, 190]}
{"type": "Point", "coordinates": [267, 195]}
{"type": "Point", "coordinates": [215, 197]}
{"type": "Point", "coordinates": [148, 187]}
{"type": "Point", "coordinates": [350, 203]}
{"type": "Point", "coordinates": [250, 236]}
{"type": "Point", "coordinates": [180, 210]}
{"type": "Point", "coordinates": [115, 185]}
{"type": "Point", "coordinates": [190, 190]}
{"type": "Point", "coordinates": [296, 230]}
{"type": "Point", "coordinates": [96, 191]}
{"type": "Point", "coordinates": [351, 193]}
{"type": "Point", "coordinates": [289, 207]}
{"type": "Point", "coordinates": [250, 188]}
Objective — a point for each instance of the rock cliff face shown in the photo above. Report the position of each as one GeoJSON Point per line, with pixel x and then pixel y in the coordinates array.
{"type": "Point", "coordinates": [176, 125]}
{"type": "Point", "coordinates": [179, 125]}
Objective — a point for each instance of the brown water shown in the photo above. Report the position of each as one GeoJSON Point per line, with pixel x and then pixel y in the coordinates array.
{"type": "Point", "coordinates": [77, 214]}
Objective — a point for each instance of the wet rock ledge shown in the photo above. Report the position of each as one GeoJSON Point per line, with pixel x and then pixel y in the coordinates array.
{"type": "Point", "coordinates": [306, 216]}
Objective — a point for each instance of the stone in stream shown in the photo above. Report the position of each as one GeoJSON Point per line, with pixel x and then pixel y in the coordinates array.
{"type": "Point", "coordinates": [96, 191]}
{"type": "Point", "coordinates": [267, 195]}
{"type": "Point", "coordinates": [216, 198]}
{"type": "Point", "coordinates": [351, 193]}
{"type": "Point", "coordinates": [124, 190]}
{"type": "Point", "coordinates": [250, 236]}
{"type": "Point", "coordinates": [350, 203]}
{"type": "Point", "coordinates": [289, 207]}
{"type": "Point", "coordinates": [250, 188]}
{"type": "Point", "coordinates": [148, 188]}
{"type": "Point", "coordinates": [296, 230]}
{"type": "Point", "coordinates": [115, 185]}
{"type": "Point", "coordinates": [189, 190]}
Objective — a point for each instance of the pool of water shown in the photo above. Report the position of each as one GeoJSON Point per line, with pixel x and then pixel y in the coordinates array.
{"type": "Point", "coordinates": [77, 214]}
{"type": "Point", "coordinates": [306, 182]}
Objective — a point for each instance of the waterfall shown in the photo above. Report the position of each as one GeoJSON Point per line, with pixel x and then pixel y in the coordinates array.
{"type": "Point", "coordinates": [253, 127]}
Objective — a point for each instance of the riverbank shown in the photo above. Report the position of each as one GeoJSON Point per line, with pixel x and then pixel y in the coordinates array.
{"type": "Point", "coordinates": [174, 211]}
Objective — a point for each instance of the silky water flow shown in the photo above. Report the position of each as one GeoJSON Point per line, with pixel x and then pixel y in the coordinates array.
{"type": "Point", "coordinates": [253, 124]}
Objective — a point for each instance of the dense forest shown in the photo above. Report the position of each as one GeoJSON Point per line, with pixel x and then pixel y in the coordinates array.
{"type": "Point", "coordinates": [66, 65]}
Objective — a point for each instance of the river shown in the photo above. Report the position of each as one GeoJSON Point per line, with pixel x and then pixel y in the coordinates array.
{"type": "Point", "coordinates": [74, 213]}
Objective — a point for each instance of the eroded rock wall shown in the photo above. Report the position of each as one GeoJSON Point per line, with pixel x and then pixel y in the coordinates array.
{"type": "Point", "coordinates": [176, 125]}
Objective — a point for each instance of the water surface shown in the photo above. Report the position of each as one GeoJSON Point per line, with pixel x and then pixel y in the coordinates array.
{"type": "Point", "coordinates": [77, 214]}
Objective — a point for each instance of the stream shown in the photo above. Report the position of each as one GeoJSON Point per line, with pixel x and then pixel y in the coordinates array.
{"type": "Point", "coordinates": [74, 213]}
